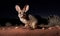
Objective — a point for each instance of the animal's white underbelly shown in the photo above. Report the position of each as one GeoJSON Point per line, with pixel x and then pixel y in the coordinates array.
{"type": "Point", "coordinates": [23, 20]}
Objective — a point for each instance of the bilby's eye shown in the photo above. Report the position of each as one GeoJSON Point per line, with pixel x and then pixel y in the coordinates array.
{"type": "Point", "coordinates": [24, 13]}
{"type": "Point", "coordinates": [20, 12]}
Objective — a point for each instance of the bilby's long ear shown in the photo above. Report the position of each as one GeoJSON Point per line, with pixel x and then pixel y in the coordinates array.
{"type": "Point", "coordinates": [18, 9]}
{"type": "Point", "coordinates": [26, 8]}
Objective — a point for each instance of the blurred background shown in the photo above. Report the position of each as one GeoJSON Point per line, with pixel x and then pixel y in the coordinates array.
{"type": "Point", "coordinates": [43, 8]}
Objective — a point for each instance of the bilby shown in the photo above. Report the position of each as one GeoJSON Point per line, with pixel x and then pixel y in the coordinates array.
{"type": "Point", "coordinates": [31, 21]}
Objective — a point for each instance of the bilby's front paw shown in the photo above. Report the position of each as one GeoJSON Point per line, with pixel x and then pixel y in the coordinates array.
{"type": "Point", "coordinates": [26, 27]}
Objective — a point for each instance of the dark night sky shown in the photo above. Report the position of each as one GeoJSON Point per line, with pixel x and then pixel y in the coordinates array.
{"type": "Point", "coordinates": [37, 7]}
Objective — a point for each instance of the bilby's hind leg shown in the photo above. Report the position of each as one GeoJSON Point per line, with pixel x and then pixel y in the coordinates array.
{"type": "Point", "coordinates": [33, 25]}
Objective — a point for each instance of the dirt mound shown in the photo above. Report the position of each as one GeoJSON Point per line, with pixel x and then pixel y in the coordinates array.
{"type": "Point", "coordinates": [19, 31]}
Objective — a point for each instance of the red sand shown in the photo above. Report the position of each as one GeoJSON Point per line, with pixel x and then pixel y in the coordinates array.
{"type": "Point", "coordinates": [26, 32]}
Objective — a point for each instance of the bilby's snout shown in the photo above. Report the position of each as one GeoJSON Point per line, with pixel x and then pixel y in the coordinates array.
{"type": "Point", "coordinates": [22, 14]}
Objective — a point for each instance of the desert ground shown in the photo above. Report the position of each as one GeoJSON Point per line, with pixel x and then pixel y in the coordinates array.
{"type": "Point", "coordinates": [20, 31]}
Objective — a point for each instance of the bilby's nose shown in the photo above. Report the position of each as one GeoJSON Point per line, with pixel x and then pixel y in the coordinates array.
{"type": "Point", "coordinates": [24, 14]}
{"type": "Point", "coordinates": [20, 15]}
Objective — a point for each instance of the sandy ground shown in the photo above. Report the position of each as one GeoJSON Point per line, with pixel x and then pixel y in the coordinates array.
{"type": "Point", "coordinates": [19, 31]}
